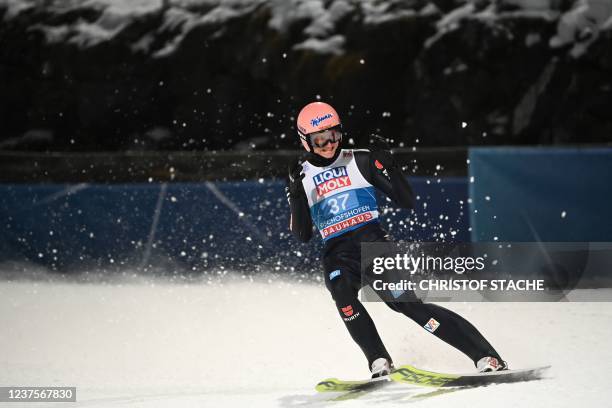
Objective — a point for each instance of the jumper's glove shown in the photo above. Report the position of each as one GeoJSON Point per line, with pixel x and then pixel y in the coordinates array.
{"type": "Point", "coordinates": [381, 154]}
{"type": "Point", "coordinates": [295, 188]}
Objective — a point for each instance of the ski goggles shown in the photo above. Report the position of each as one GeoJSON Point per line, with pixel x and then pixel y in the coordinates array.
{"type": "Point", "coordinates": [324, 137]}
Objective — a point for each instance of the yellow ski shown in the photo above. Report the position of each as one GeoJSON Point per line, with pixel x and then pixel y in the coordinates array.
{"type": "Point", "coordinates": [336, 385]}
{"type": "Point", "coordinates": [412, 375]}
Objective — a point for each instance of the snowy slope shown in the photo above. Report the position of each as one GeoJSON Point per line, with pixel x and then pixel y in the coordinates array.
{"type": "Point", "coordinates": [266, 343]}
{"type": "Point", "coordinates": [580, 24]}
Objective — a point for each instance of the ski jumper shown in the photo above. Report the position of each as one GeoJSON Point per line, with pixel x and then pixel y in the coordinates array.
{"type": "Point", "coordinates": [340, 201]}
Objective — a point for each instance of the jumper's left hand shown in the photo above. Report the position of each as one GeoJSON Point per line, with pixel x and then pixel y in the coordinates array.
{"type": "Point", "coordinates": [380, 152]}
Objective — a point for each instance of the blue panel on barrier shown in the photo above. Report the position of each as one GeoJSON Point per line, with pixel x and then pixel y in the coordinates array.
{"type": "Point", "coordinates": [540, 194]}
{"type": "Point", "coordinates": [183, 226]}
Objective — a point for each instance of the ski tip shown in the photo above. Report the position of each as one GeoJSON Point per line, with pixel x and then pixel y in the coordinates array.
{"type": "Point", "coordinates": [528, 369]}
{"type": "Point", "coordinates": [326, 384]}
{"type": "Point", "coordinates": [539, 371]}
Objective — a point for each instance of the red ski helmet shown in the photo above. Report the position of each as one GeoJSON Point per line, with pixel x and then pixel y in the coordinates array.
{"type": "Point", "coordinates": [314, 118]}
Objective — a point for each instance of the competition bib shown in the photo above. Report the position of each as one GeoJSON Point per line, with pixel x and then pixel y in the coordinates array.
{"type": "Point", "coordinates": [339, 197]}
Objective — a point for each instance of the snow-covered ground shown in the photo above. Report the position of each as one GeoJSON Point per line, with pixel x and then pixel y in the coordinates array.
{"type": "Point", "coordinates": [265, 343]}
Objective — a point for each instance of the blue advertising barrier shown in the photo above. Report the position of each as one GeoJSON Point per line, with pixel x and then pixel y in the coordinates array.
{"type": "Point", "coordinates": [540, 194]}
{"type": "Point", "coordinates": [172, 227]}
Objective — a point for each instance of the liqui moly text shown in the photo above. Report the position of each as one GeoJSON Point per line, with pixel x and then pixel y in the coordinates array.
{"type": "Point", "coordinates": [331, 180]}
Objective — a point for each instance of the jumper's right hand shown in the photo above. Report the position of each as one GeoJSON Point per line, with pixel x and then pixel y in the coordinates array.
{"type": "Point", "coordinates": [296, 188]}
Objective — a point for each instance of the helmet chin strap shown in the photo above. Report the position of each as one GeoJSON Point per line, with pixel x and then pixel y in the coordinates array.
{"type": "Point", "coordinates": [306, 139]}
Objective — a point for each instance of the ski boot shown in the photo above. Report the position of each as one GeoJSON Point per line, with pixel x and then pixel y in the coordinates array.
{"type": "Point", "coordinates": [488, 364]}
{"type": "Point", "coordinates": [381, 367]}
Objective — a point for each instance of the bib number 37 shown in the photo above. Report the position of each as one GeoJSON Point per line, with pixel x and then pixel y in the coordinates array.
{"type": "Point", "coordinates": [337, 203]}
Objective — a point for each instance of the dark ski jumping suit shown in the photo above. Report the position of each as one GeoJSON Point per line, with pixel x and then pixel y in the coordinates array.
{"type": "Point", "coordinates": [338, 197]}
